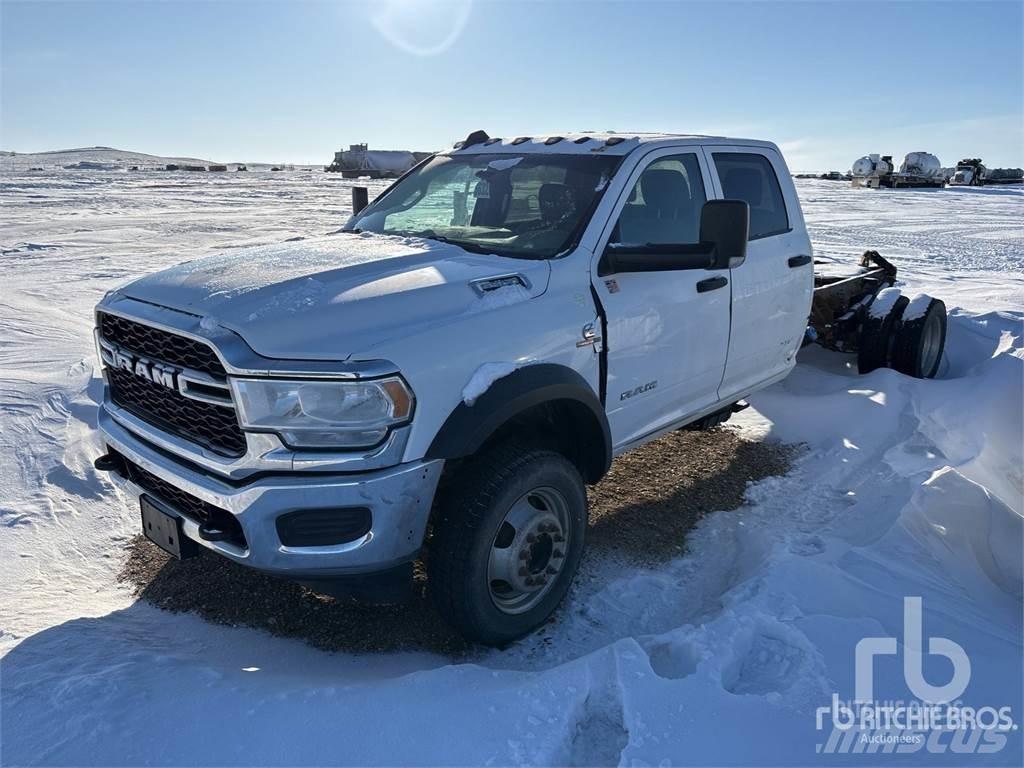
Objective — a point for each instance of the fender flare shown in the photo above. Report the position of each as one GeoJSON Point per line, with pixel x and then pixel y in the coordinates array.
{"type": "Point", "coordinates": [467, 427]}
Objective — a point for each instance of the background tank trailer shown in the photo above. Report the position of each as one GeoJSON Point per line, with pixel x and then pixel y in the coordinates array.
{"type": "Point", "coordinates": [919, 169]}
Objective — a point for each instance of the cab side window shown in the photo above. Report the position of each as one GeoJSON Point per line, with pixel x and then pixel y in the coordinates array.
{"type": "Point", "coordinates": [663, 208]}
{"type": "Point", "coordinates": [751, 177]}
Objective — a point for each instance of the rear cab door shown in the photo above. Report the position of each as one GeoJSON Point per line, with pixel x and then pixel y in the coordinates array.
{"type": "Point", "coordinates": [772, 287]}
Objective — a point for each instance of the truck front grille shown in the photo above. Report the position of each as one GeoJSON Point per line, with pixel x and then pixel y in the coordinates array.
{"type": "Point", "coordinates": [211, 426]}
{"type": "Point", "coordinates": [157, 344]}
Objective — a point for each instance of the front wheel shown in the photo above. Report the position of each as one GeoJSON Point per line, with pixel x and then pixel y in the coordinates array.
{"type": "Point", "coordinates": [507, 542]}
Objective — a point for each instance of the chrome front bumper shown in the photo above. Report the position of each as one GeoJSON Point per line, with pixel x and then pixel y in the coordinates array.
{"type": "Point", "coordinates": [399, 499]}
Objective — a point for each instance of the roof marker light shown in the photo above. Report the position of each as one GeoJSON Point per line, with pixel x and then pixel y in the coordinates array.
{"type": "Point", "coordinates": [520, 140]}
{"type": "Point", "coordinates": [552, 140]}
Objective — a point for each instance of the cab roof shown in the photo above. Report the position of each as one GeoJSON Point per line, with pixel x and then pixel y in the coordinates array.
{"type": "Point", "coordinates": [603, 142]}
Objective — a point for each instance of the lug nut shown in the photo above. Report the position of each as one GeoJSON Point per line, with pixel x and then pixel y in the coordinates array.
{"type": "Point", "coordinates": [559, 538]}
{"type": "Point", "coordinates": [529, 581]}
{"type": "Point", "coordinates": [558, 554]}
{"type": "Point", "coordinates": [551, 570]}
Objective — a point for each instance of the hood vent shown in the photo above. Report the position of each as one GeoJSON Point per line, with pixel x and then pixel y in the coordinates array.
{"type": "Point", "coordinates": [488, 284]}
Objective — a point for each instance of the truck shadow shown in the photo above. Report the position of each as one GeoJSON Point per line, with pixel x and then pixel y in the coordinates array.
{"type": "Point", "coordinates": [640, 514]}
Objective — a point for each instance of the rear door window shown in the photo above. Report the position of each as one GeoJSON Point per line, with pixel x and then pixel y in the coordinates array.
{"type": "Point", "coordinates": [750, 177]}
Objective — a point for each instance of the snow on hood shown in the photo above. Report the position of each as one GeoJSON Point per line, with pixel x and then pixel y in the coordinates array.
{"type": "Point", "coordinates": [329, 297]}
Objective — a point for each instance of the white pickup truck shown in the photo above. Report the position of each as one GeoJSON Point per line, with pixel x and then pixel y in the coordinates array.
{"type": "Point", "coordinates": [441, 379]}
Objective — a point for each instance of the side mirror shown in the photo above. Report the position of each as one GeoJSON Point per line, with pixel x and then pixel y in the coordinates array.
{"type": "Point", "coordinates": [724, 229]}
{"type": "Point", "coordinates": [725, 224]}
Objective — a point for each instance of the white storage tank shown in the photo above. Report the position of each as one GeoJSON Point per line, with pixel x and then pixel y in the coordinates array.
{"type": "Point", "coordinates": [921, 164]}
{"type": "Point", "coordinates": [870, 165]}
{"type": "Point", "coordinates": [862, 166]}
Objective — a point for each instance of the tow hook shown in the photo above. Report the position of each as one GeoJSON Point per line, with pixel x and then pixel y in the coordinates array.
{"type": "Point", "coordinates": [208, 533]}
{"type": "Point", "coordinates": [110, 462]}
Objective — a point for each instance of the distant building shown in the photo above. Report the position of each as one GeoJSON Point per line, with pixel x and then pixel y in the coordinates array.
{"type": "Point", "coordinates": [217, 168]}
{"type": "Point", "coordinates": [359, 160]}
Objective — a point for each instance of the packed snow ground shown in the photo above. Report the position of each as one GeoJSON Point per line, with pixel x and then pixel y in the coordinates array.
{"type": "Point", "coordinates": [908, 488]}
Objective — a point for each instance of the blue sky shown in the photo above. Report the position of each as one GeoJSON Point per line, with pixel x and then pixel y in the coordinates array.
{"type": "Point", "coordinates": [293, 81]}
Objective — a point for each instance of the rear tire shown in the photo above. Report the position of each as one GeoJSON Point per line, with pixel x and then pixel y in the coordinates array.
{"type": "Point", "coordinates": [921, 339]}
{"type": "Point", "coordinates": [507, 542]}
{"type": "Point", "coordinates": [877, 333]}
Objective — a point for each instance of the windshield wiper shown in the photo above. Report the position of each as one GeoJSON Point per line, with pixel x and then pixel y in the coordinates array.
{"type": "Point", "coordinates": [465, 245]}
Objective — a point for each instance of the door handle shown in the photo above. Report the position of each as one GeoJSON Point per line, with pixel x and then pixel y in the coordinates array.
{"type": "Point", "coordinates": [711, 284]}
{"type": "Point", "coordinates": [799, 261]}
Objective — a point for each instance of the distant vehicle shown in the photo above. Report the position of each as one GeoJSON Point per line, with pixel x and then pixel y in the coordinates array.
{"type": "Point", "coordinates": [276, 168]}
{"type": "Point", "coordinates": [241, 168]}
{"type": "Point", "coordinates": [919, 169]}
{"type": "Point", "coordinates": [515, 314]}
{"type": "Point", "coordinates": [971, 172]}
{"type": "Point", "coordinates": [870, 170]}
{"type": "Point", "coordinates": [217, 168]}
{"type": "Point", "coordinates": [359, 161]}
{"type": "Point", "coordinates": [1005, 176]}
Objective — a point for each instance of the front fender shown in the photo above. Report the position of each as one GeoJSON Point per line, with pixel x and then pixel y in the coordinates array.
{"type": "Point", "coordinates": [468, 427]}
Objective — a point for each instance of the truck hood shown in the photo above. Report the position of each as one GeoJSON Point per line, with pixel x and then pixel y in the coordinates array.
{"type": "Point", "coordinates": [330, 297]}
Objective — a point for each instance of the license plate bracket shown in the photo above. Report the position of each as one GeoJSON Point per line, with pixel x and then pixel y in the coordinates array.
{"type": "Point", "coordinates": [164, 528]}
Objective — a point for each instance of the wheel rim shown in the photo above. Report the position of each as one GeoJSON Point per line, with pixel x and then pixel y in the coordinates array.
{"type": "Point", "coordinates": [528, 551]}
{"type": "Point", "coordinates": [931, 343]}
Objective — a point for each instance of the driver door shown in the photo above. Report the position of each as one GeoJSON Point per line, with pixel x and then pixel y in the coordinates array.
{"type": "Point", "coordinates": [668, 331]}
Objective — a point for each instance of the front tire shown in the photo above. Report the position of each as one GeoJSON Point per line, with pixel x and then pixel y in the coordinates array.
{"type": "Point", "coordinates": [507, 542]}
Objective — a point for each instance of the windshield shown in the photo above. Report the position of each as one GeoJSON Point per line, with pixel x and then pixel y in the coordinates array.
{"type": "Point", "coordinates": [526, 206]}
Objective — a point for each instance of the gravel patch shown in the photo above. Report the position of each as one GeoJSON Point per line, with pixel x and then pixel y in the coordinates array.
{"type": "Point", "coordinates": [640, 514]}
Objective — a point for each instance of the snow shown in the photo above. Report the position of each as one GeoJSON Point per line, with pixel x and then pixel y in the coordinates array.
{"type": "Point", "coordinates": [884, 302]}
{"type": "Point", "coordinates": [719, 657]}
{"type": "Point", "coordinates": [917, 308]}
{"type": "Point", "coordinates": [503, 296]}
{"type": "Point", "coordinates": [483, 377]}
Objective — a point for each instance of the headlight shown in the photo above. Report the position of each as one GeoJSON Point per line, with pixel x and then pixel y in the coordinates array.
{"type": "Point", "coordinates": [323, 414]}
